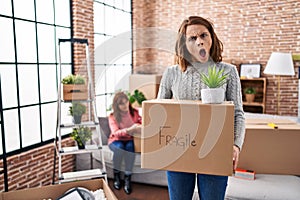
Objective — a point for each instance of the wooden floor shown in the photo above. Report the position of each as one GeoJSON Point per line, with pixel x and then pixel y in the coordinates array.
{"type": "Point", "coordinates": [141, 192]}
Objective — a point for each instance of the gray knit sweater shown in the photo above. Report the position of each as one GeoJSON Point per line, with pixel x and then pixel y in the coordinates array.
{"type": "Point", "coordinates": [187, 86]}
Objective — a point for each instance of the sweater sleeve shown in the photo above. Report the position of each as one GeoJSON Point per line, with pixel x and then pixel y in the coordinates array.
{"type": "Point", "coordinates": [165, 91]}
{"type": "Point", "coordinates": [233, 93]}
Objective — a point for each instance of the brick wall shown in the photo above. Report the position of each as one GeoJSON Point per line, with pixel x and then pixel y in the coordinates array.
{"type": "Point", "coordinates": [83, 27]}
{"type": "Point", "coordinates": [35, 167]}
{"type": "Point", "coordinates": [249, 30]}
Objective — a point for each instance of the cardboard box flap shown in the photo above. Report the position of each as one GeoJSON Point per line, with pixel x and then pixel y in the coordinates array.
{"type": "Point", "coordinates": [55, 191]}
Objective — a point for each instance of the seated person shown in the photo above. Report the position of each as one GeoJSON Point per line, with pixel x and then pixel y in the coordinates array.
{"type": "Point", "coordinates": [124, 122]}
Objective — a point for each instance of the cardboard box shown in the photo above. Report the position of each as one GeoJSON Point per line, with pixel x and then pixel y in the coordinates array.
{"type": "Point", "coordinates": [269, 150]}
{"type": "Point", "coordinates": [55, 191]}
{"type": "Point", "coordinates": [146, 83]}
{"type": "Point", "coordinates": [137, 143]}
{"type": "Point", "coordinates": [188, 136]}
{"type": "Point", "coordinates": [75, 92]}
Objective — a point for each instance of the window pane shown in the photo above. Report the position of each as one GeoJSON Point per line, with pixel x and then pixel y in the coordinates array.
{"type": "Point", "coordinates": [127, 5]}
{"type": "Point", "coordinates": [66, 70]}
{"type": "Point", "coordinates": [62, 12]}
{"type": "Point", "coordinates": [126, 59]}
{"type": "Point", "coordinates": [123, 23]}
{"type": "Point", "coordinates": [119, 4]}
{"type": "Point", "coordinates": [30, 124]}
{"type": "Point", "coordinates": [49, 116]}
{"type": "Point", "coordinates": [9, 85]}
{"type": "Point", "coordinates": [7, 40]}
{"type": "Point", "coordinates": [98, 18]}
{"type": "Point", "coordinates": [28, 84]}
{"type": "Point", "coordinates": [104, 104]}
{"type": "Point", "coordinates": [24, 9]}
{"type": "Point", "coordinates": [46, 42]}
{"type": "Point", "coordinates": [99, 54]}
{"type": "Point", "coordinates": [118, 78]}
{"type": "Point", "coordinates": [100, 79]}
{"type": "Point", "coordinates": [63, 33]}
{"type": "Point", "coordinates": [44, 11]}
{"type": "Point", "coordinates": [110, 26]}
{"type": "Point", "coordinates": [5, 8]}
{"type": "Point", "coordinates": [11, 129]}
{"type": "Point", "coordinates": [26, 41]}
{"type": "Point", "coordinates": [48, 85]}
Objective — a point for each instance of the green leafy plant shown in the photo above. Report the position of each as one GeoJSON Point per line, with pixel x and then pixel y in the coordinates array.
{"type": "Point", "coordinates": [77, 109]}
{"type": "Point", "coordinates": [73, 79]}
{"type": "Point", "coordinates": [250, 90]}
{"type": "Point", "coordinates": [81, 135]}
{"type": "Point", "coordinates": [215, 78]}
{"type": "Point", "coordinates": [136, 96]}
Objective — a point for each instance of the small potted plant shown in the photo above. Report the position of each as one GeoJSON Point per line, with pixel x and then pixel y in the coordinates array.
{"type": "Point", "coordinates": [213, 80]}
{"type": "Point", "coordinates": [77, 110]}
{"type": "Point", "coordinates": [74, 88]}
{"type": "Point", "coordinates": [250, 94]}
{"type": "Point", "coordinates": [81, 135]}
{"type": "Point", "coordinates": [137, 96]}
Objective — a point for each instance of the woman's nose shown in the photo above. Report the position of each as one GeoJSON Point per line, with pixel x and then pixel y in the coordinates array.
{"type": "Point", "coordinates": [199, 41]}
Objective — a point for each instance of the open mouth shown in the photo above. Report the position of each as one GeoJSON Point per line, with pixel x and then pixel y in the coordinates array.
{"type": "Point", "coordinates": [202, 53]}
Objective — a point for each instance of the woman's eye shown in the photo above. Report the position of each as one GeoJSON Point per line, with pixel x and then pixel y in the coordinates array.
{"type": "Point", "coordinates": [193, 38]}
{"type": "Point", "coordinates": [203, 35]}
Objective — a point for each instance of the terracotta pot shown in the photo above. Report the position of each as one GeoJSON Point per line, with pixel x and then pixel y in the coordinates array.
{"type": "Point", "coordinates": [250, 98]}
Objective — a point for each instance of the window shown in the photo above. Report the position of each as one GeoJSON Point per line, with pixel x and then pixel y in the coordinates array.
{"type": "Point", "coordinates": [28, 67]}
{"type": "Point", "coordinates": [113, 50]}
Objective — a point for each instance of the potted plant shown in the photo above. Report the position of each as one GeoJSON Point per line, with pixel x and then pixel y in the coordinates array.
{"type": "Point", "coordinates": [74, 88]}
{"type": "Point", "coordinates": [81, 135]}
{"type": "Point", "coordinates": [213, 80]}
{"type": "Point", "coordinates": [137, 96]}
{"type": "Point", "coordinates": [77, 110]}
{"type": "Point", "coordinates": [250, 94]}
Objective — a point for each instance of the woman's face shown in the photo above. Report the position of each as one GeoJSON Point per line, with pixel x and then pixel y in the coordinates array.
{"type": "Point", "coordinates": [198, 42]}
{"type": "Point", "coordinates": [123, 105]}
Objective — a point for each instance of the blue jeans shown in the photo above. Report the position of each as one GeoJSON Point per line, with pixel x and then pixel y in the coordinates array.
{"type": "Point", "coordinates": [210, 187]}
{"type": "Point", "coordinates": [123, 149]}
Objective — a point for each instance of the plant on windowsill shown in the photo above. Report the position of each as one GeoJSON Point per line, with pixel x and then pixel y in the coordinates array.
{"type": "Point", "coordinates": [81, 135]}
{"type": "Point", "coordinates": [137, 96]}
{"type": "Point", "coordinates": [77, 110]}
{"type": "Point", "coordinates": [74, 88]}
{"type": "Point", "coordinates": [250, 94]}
{"type": "Point", "coordinates": [214, 80]}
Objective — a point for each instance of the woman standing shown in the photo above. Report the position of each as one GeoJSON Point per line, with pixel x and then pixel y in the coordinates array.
{"type": "Point", "coordinates": [197, 48]}
{"type": "Point", "coordinates": [124, 122]}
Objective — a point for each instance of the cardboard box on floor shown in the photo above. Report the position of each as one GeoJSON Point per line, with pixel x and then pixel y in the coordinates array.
{"type": "Point", "coordinates": [188, 136]}
{"type": "Point", "coordinates": [269, 150]}
{"type": "Point", "coordinates": [55, 191]}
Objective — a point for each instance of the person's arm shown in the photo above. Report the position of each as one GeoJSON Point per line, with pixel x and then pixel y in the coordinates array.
{"type": "Point", "coordinates": [115, 130]}
{"type": "Point", "coordinates": [165, 91]}
{"type": "Point", "coordinates": [234, 94]}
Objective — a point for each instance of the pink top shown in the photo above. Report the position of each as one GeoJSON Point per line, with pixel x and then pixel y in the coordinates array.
{"type": "Point", "coordinates": [118, 131]}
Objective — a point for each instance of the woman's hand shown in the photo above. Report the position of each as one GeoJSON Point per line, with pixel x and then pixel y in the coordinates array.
{"type": "Point", "coordinates": [134, 129]}
{"type": "Point", "coordinates": [236, 154]}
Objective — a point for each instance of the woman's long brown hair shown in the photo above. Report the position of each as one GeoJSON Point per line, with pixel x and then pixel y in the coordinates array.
{"type": "Point", "coordinates": [182, 56]}
{"type": "Point", "coordinates": [118, 98]}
